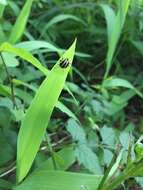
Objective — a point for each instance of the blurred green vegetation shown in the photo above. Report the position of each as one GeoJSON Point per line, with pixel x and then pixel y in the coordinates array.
{"type": "Point", "coordinates": [101, 105]}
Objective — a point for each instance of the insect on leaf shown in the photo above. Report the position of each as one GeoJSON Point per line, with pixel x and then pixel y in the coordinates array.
{"type": "Point", "coordinates": [38, 115]}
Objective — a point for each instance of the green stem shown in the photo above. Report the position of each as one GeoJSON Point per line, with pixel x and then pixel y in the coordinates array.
{"type": "Point", "coordinates": [10, 81]}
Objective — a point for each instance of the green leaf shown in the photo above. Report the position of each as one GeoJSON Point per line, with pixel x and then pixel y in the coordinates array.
{"type": "Point", "coordinates": [60, 18]}
{"type": "Point", "coordinates": [5, 90]}
{"type": "Point", "coordinates": [115, 32]}
{"type": "Point", "coordinates": [66, 110]}
{"type": "Point", "coordinates": [38, 115]}
{"type": "Point", "coordinates": [10, 59]}
{"type": "Point", "coordinates": [59, 180]}
{"type": "Point", "coordinates": [88, 158]}
{"type": "Point", "coordinates": [64, 158]}
{"type": "Point", "coordinates": [6, 47]}
{"type": "Point", "coordinates": [110, 19]}
{"type": "Point", "coordinates": [19, 26]}
{"type": "Point", "coordinates": [108, 136]}
{"type": "Point", "coordinates": [139, 148]}
{"type": "Point", "coordinates": [118, 82]}
{"type": "Point", "coordinates": [76, 131]}
{"type": "Point", "coordinates": [36, 44]}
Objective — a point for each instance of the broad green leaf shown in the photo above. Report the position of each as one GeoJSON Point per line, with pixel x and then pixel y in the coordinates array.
{"type": "Point", "coordinates": [118, 82]}
{"type": "Point", "coordinates": [59, 180]}
{"type": "Point", "coordinates": [115, 32]}
{"type": "Point", "coordinates": [19, 26]}
{"type": "Point", "coordinates": [38, 115]}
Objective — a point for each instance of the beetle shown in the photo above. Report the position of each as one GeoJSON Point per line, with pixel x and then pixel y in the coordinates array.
{"type": "Point", "coordinates": [64, 63]}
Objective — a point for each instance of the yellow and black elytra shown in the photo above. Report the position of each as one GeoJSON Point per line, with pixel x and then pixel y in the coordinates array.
{"type": "Point", "coordinates": [64, 63]}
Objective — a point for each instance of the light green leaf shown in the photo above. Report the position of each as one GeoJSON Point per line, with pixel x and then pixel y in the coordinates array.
{"type": "Point", "coordinates": [118, 82]}
{"type": "Point", "coordinates": [59, 180]}
{"type": "Point", "coordinates": [76, 131]}
{"type": "Point", "coordinates": [36, 44]}
{"type": "Point", "coordinates": [116, 164]}
{"type": "Point", "coordinates": [66, 110]}
{"type": "Point", "coordinates": [110, 19]}
{"type": "Point", "coordinates": [88, 158]}
{"type": "Point", "coordinates": [10, 59]}
{"type": "Point", "coordinates": [5, 90]}
{"type": "Point", "coordinates": [108, 136]}
{"type": "Point", "coordinates": [6, 47]}
{"type": "Point", "coordinates": [33, 45]}
{"type": "Point", "coordinates": [19, 26]}
{"type": "Point", "coordinates": [38, 115]}
{"type": "Point", "coordinates": [115, 32]}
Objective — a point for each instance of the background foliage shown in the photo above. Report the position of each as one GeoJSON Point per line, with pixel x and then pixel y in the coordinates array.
{"type": "Point", "coordinates": [98, 119]}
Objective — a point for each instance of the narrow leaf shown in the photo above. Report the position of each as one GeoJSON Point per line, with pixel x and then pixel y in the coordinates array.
{"type": "Point", "coordinates": [6, 47]}
{"type": "Point", "coordinates": [19, 26]}
{"type": "Point", "coordinates": [118, 82]}
{"type": "Point", "coordinates": [38, 115]}
{"type": "Point", "coordinates": [115, 32]}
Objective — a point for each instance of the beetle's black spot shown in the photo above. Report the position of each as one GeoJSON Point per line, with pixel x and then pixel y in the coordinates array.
{"type": "Point", "coordinates": [64, 63]}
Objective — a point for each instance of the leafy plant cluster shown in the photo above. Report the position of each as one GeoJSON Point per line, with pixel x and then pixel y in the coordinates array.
{"type": "Point", "coordinates": [78, 126]}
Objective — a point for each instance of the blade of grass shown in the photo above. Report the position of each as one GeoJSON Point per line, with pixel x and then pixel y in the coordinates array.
{"type": "Point", "coordinates": [19, 26]}
{"type": "Point", "coordinates": [38, 115]}
{"type": "Point", "coordinates": [110, 19]}
{"type": "Point", "coordinates": [60, 18]}
{"type": "Point", "coordinates": [115, 33]}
